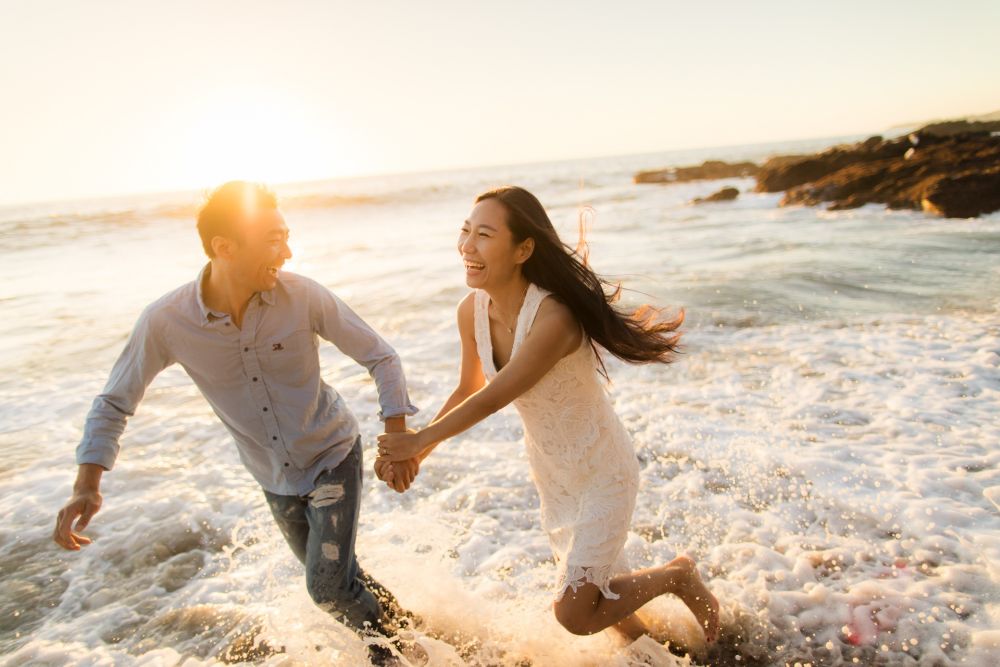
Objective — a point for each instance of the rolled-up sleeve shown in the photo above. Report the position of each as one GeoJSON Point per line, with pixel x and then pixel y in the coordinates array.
{"type": "Point", "coordinates": [143, 357]}
{"type": "Point", "coordinates": [336, 322]}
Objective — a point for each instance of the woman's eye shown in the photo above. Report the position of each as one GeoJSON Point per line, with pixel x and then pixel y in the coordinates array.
{"type": "Point", "coordinates": [484, 235]}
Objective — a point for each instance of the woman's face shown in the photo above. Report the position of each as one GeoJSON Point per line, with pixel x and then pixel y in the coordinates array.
{"type": "Point", "coordinates": [491, 256]}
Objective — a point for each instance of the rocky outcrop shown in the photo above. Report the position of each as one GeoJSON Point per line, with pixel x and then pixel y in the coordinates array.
{"type": "Point", "coordinates": [964, 196]}
{"type": "Point", "coordinates": [949, 168]}
{"type": "Point", "coordinates": [948, 128]}
{"type": "Point", "coordinates": [787, 171]}
{"type": "Point", "coordinates": [953, 176]}
{"type": "Point", "coordinates": [725, 194]}
{"type": "Point", "coordinates": [708, 170]}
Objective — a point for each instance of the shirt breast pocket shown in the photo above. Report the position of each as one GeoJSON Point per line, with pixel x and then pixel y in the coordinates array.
{"type": "Point", "coordinates": [291, 359]}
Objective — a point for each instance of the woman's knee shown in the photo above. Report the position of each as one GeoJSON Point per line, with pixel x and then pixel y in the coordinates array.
{"type": "Point", "coordinates": [572, 620]}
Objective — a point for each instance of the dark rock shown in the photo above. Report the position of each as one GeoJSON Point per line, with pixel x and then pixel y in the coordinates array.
{"type": "Point", "coordinates": [965, 196]}
{"type": "Point", "coordinates": [951, 175]}
{"type": "Point", "coordinates": [784, 172]}
{"type": "Point", "coordinates": [725, 194]}
{"type": "Point", "coordinates": [708, 170]}
{"type": "Point", "coordinates": [948, 128]}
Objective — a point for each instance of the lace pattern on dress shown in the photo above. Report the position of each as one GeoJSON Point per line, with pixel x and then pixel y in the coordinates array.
{"type": "Point", "coordinates": [581, 457]}
{"type": "Point", "coordinates": [575, 576]}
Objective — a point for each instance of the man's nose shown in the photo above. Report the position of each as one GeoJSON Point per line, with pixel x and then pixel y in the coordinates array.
{"type": "Point", "coordinates": [286, 251]}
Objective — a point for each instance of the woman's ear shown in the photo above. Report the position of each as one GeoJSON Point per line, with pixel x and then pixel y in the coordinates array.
{"type": "Point", "coordinates": [524, 250]}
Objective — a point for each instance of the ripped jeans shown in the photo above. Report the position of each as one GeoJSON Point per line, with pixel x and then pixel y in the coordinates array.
{"type": "Point", "coordinates": [320, 528]}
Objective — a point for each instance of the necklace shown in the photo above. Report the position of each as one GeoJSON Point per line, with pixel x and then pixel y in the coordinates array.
{"type": "Point", "coordinates": [510, 330]}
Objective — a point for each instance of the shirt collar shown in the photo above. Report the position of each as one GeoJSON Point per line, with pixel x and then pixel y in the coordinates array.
{"type": "Point", "coordinates": [207, 314]}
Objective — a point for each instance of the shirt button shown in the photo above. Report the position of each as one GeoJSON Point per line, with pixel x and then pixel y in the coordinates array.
{"type": "Point", "coordinates": [255, 379]}
{"type": "Point", "coordinates": [265, 409]}
{"type": "Point", "coordinates": [274, 437]}
{"type": "Point", "coordinates": [246, 349]}
{"type": "Point", "coordinates": [286, 464]}
{"type": "Point", "coordinates": [227, 324]}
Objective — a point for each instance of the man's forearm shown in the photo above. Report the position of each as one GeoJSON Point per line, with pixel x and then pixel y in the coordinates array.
{"type": "Point", "coordinates": [395, 424]}
{"type": "Point", "coordinates": [88, 478]}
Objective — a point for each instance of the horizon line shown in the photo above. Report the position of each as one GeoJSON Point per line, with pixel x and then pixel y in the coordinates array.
{"type": "Point", "coordinates": [99, 197]}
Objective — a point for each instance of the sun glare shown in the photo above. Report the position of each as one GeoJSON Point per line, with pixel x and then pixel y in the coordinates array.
{"type": "Point", "coordinates": [260, 136]}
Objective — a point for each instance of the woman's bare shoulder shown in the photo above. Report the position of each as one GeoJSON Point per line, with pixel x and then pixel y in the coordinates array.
{"type": "Point", "coordinates": [556, 313]}
{"type": "Point", "coordinates": [557, 317]}
{"type": "Point", "coordinates": [466, 310]}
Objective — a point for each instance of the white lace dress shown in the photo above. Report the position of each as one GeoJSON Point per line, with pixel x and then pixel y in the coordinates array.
{"type": "Point", "coordinates": [581, 456]}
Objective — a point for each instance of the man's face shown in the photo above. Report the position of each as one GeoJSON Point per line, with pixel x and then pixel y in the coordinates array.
{"type": "Point", "coordinates": [256, 259]}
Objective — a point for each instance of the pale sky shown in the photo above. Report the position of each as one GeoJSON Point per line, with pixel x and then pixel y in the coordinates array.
{"type": "Point", "coordinates": [104, 97]}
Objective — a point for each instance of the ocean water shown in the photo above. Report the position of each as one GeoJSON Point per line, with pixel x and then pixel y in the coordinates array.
{"type": "Point", "coordinates": [826, 448]}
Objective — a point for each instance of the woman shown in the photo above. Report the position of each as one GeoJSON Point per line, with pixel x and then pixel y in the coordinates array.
{"type": "Point", "coordinates": [542, 354]}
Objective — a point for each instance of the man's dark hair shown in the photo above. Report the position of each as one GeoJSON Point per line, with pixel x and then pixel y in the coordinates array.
{"type": "Point", "coordinates": [227, 205]}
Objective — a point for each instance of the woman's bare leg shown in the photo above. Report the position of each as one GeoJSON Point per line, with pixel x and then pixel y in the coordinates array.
{"type": "Point", "coordinates": [631, 627]}
{"type": "Point", "coordinates": [586, 611]}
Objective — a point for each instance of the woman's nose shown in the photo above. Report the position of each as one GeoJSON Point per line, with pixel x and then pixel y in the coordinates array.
{"type": "Point", "coordinates": [465, 244]}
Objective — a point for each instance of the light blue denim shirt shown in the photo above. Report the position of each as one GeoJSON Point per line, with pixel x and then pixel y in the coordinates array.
{"type": "Point", "coordinates": [262, 380]}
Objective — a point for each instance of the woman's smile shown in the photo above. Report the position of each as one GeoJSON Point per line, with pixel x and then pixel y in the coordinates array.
{"type": "Point", "coordinates": [473, 268]}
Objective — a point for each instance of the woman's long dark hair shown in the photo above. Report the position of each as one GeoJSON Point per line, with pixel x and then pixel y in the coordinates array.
{"type": "Point", "coordinates": [637, 337]}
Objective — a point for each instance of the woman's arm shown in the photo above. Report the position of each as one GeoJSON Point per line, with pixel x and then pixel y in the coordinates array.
{"type": "Point", "coordinates": [554, 334]}
{"type": "Point", "coordinates": [470, 374]}
{"type": "Point", "coordinates": [470, 379]}
{"type": "Point", "coordinates": [455, 399]}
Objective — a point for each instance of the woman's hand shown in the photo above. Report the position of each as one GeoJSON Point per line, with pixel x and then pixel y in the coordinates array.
{"type": "Point", "coordinates": [401, 446]}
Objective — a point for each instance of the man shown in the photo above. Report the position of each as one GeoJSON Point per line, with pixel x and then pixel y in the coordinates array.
{"type": "Point", "coordinates": [246, 333]}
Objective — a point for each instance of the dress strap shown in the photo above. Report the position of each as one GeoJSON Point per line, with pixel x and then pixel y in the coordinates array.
{"type": "Point", "coordinates": [532, 300]}
{"type": "Point", "coordinates": [484, 342]}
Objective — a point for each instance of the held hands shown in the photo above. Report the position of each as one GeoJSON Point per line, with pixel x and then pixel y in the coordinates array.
{"type": "Point", "coordinates": [401, 446]}
{"type": "Point", "coordinates": [399, 456]}
{"type": "Point", "coordinates": [398, 475]}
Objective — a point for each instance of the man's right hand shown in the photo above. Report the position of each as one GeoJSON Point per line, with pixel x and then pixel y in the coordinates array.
{"type": "Point", "coordinates": [81, 508]}
{"type": "Point", "coordinates": [397, 475]}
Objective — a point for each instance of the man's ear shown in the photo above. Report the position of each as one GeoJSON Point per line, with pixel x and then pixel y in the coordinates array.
{"type": "Point", "coordinates": [525, 249]}
{"type": "Point", "coordinates": [223, 247]}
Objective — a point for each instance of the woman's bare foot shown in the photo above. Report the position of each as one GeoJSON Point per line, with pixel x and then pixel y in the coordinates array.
{"type": "Point", "coordinates": [693, 593]}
